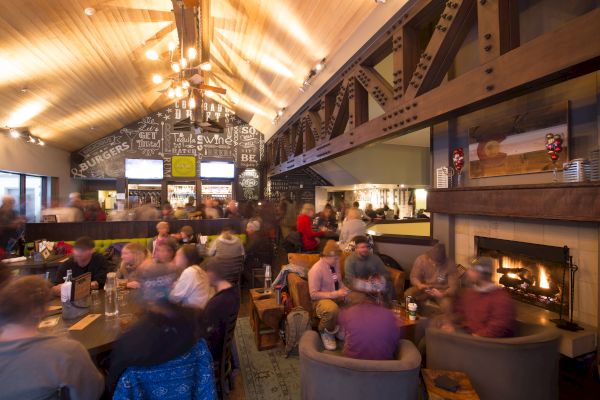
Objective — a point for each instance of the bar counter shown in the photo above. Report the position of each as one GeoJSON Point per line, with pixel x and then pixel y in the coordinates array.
{"type": "Point", "coordinates": [120, 229]}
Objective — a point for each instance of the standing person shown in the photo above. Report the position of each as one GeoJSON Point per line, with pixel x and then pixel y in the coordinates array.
{"type": "Point", "coordinates": [232, 211]}
{"type": "Point", "coordinates": [132, 256]}
{"type": "Point", "coordinates": [210, 212]}
{"type": "Point", "coordinates": [162, 229]}
{"type": "Point", "coordinates": [287, 216]}
{"type": "Point", "coordinates": [328, 292]}
{"type": "Point", "coordinates": [10, 223]}
{"type": "Point", "coordinates": [147, 211]}
{"type": "Point", "coordinates": [364, 265]}
{"type": "Point", "coordinates": [192, 287]}
{"type": "Point", "coordinates": [433, 277]}
{"type": "Point", "coordinates": [483, 309]}
{"type": "Point", "coordinates": [167, 213]}
{"type": "Point", "coordinates": [310, 238]}
{"type": "Point", "coordinates": [84, 259]}
{"type": "Point", "coordinates": [164, 332]}
{"type": "Point", "coordinates": [258, 249]}
{"type": "Point", "coordinates": [352, 226]}
{"type": "Point", "coordinates": [225, 303]}
{"type": "Point", "coordinates": [227, 245]}
{"type": "Point", "coordinates": [363, 216]}
{"type": "Point", "coordinates": [190, 205]}
{"type": "Point", "coordinates": [33, 365]}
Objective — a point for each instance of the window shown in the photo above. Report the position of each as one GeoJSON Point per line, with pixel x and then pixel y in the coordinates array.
{"type": "Point", "coordinates": [33, 198]}
{"type": "Point", "coordinates": [10, 186]}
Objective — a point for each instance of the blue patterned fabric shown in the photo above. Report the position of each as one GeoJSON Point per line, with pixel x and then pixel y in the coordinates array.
{"type": "Point", "coordinates": [187, 377]}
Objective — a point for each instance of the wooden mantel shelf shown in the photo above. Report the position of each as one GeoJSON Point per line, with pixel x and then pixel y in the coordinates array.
{"type": "Point", "coordinates": [559, 201]}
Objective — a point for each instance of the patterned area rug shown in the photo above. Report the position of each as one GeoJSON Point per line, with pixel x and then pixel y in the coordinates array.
{"type": "Point", "coordinates": [266, 374]}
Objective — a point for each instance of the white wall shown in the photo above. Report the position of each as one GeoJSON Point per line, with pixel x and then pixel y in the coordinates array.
{"type": "Point", "coordinates": [19, 156]}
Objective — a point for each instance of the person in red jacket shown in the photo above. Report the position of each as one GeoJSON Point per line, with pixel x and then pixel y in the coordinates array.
{"type": "Point", "coordinates": [310, 239]}
{"type": "Point", "coordinates": [483, 309]}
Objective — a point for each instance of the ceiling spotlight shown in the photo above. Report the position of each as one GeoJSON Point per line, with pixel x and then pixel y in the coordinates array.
{"type": "Point", "coordinates": [192, 53]}
{"type": "Point", "coordinates": [171, 93]}
{"type": "Point", "coordinates": [31, 139]}
{"type": "Point", "coordinates": [178, 91]}
{"type": "Point", "coordinates": [185, 84]}
{"type": "Point", "coordinates": [205, 66]}
{"type": "Point", "coordinates": [157, 79]}
{"type": "Point", "coordinates": [41, 142]}
{"type": "Point", "coordinates": [176, 67]}
{"type": "Point", "coordinates": [14, 134]}
{"type": "Point", "coordinates": [172, 46]}
{"type": "Point", "coordinates": [89, 11]}
{"type": "Point", "coordinates": [151, 55]}
{"type": "Point", "coordinates": [183, 62]}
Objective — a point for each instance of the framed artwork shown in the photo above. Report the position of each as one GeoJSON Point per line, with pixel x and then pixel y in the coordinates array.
{"type": "Point", "coordinates": [517, 144]}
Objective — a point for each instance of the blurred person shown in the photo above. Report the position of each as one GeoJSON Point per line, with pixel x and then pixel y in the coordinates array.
{"type": "Point", "coordinates": [186, 235]}
{"type": "Point", "coordinates": [327, 292]}
{"type": "Point", "coordinates": [352, 226]}
{"type": "Point", "coordinates": [75, 201]}
{"type": "Point", "coordinates": [10, 223]}
{"type": "Point", "coordinates": [34, 365]}
{"type": "Point", "coordinates": [84, 259]}
{"type": "Point", "coordinates": [165, 330]}
{"type": "Point", "coordinates": [190, 205]}
{"type": "Point", "coordinates": [258, 249]}
{"type": "Point", "coordinates": [232, 211]}
{"type": "Point", "coordinates": [286, 212]}
{"type": "Point", "coordinates": [167, 213]}
{"type": "Point", "coordinates": [93, 212]}
{"type": "Point", "coordinates": [434, 277]}
{"type": "Point", "coordinates": [165, 251]}
{"type": "Point", "coordinates": [180, 213]}
{"type": "Point", "coordinates": [363, 216]}
{"type": "Point", "coordinates": [227, 245]}
{"type": "Point", "coordinates": [147, 211]}
{"type": "Point", "coordinates": [326, 221]}
{"type": "Point", "coordinates": [483, 309]}
{"type": "Point", "coordinates": [162, 229]}
{"type": "Point", "coordinates": [220, 307]}
{"type": "Point", "coordinates": [192, 288]}
{"type": "Point", "coordinates": [369, 211]}
{"type": "Point", "coordinates": [132, 256]}
{"type": "Point", "coordinates": [219, 205]}
{"type": "Point", "coordinates": [364, 265]}
{"type": "Point", "coordinates": [371, 331]}
{"type": "Point", "coordinates": [310, 238]}
{"type": "Point", "coordinates": [209, 209]}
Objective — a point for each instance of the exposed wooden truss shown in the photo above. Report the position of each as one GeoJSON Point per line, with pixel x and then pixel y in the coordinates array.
{"type": "Point", "coordinates": [337, 120]}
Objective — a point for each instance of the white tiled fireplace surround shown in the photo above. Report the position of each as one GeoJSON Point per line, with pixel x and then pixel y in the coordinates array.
{"type": "Point", "coordinates": [581, 238]}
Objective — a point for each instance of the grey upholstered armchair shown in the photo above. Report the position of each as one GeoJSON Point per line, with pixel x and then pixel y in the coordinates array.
{"type": "Point", "coordinates": [524, 367]}
{"type": "Point", "coordinates": [325, 375]}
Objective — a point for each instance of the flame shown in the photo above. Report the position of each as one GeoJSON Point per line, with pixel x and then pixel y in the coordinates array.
{"type": "Point", "coordinates": [544, 283]}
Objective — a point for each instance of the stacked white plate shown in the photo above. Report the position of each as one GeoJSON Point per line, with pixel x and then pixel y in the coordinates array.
{"type": "Point", "coordinates": [595, 165]}
{"type": "Point", "coordinates": [578, 170]}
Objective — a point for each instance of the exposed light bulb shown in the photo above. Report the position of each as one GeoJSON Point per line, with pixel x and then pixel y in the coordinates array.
{"type": "Point", "coordinates": [192, 53]}
{"type": "Point", "coordinates": [41, 142]}
{"type": "Point", "coordinates": [178, 91]}
{"type": "Point", "coordinates": [157, 79]}
{"type": "Point", "coordinates": [192, 103]}
{"type": "Point", "coordinates": [31, 139]}
{"type": "Point", "coordinates": [205, 66]}
{"type": "Point", "coordinates": [280, 113]}
{"type": "Point", "coordinates": [185, 84]}
{"type": "Point", "coordinates": [89, 11]}
{"type": "Point", "coordinates": [176, 67]}
{"type": "Point", "coordinates": [183, 62]}
{"type": "Point", "coordinates": [171, 93]}
{"type": "Point", "coordinates": [319, 66]}
{"type": "Point", "coordinates": [151, 55]}
{"type": "Point", "coordinates": [172, 46]}
{"type": "Point", "coordinates": [14, 134]}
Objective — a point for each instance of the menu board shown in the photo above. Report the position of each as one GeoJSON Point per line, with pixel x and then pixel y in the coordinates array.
{"type": "Point", "coordinates": [170, 134]}
{"type": "Point", "coordinates": [249, 185]}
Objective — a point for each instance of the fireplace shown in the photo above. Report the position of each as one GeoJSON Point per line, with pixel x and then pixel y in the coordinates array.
{"type": "Point", "coordinates": [531, 273]}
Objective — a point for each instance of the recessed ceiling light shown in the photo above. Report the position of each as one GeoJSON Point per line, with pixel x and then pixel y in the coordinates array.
{"type": "Point", "coordinates": [14, 134]}
{"type": "Point", "coordinates": [89, 11]}
{"type": "Point", "coordinates": [151, 55]}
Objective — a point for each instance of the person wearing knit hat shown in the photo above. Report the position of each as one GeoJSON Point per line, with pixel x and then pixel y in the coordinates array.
{"type": "Point", "coordinates": [484, 309]}
{"type": "Point", "coordinates": [165, 330]}
{"type": "Point", "coordinates": [328, 292]}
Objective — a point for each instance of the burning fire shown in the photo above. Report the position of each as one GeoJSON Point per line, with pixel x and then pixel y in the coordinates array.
{"type": "Point", "coordinates": [544, 283]}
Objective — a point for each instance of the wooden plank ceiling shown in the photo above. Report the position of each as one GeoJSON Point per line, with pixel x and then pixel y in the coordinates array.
{"type": "Point", "coordinates": [70, 78]}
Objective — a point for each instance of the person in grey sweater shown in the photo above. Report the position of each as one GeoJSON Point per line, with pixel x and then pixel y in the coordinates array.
{"type": "Point", "coordinates": [37, 366]}
{"type": "Point", "coordinates": [226, 245]}
{"type": "Point", "coordinates": [365, 266]}
{"type": "Point", "coordinates": [353, 226]}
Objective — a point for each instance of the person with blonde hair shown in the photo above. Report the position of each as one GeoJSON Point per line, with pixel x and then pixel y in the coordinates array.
{"type": "Point", "coordinates": [34, 365]}
{"type": "Point", "coordinates": [191, 288]}
{"type": "Point", "coordinates": [132, 256]}
{"type": "Point", "coordinates": [310, 238]}
{"type": "Point", "coordinates": [353, 226]}
{"type": "Point", "coordinates": [162, 228]}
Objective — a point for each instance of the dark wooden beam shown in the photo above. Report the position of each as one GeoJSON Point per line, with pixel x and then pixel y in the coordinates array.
{"type": "Point", "coordinates": [206, 29]}
{"type": "Point", "coordinates": [340, 101]}
{"type": "Point", "coordinates": [187, 27]}
{"type": "Point", "coordinates": [549, 58]}
{"type": "Point", "coordinates": [379, 89]}
{"type": "Point", "coordinates": [358, 103]}
{"type": "Point", "coordinates": [569, 202]}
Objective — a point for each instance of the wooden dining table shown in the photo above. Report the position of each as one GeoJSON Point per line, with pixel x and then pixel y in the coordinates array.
{"type": "Point", "coordinates": [100, 335]}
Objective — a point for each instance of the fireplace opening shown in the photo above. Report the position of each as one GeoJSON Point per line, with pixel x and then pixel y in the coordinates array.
{"type": "Point", "coordinates": [531, 273]}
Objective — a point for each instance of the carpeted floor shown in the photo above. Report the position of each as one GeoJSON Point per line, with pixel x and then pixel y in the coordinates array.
{"type": "Point", "coordinates": [266, 374]}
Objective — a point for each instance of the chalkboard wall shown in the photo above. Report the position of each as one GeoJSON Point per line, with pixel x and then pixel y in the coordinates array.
{"type": "Point", "coordinates": [298, 184]}
{"type": "Point", "coordinates": [170, 133]}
